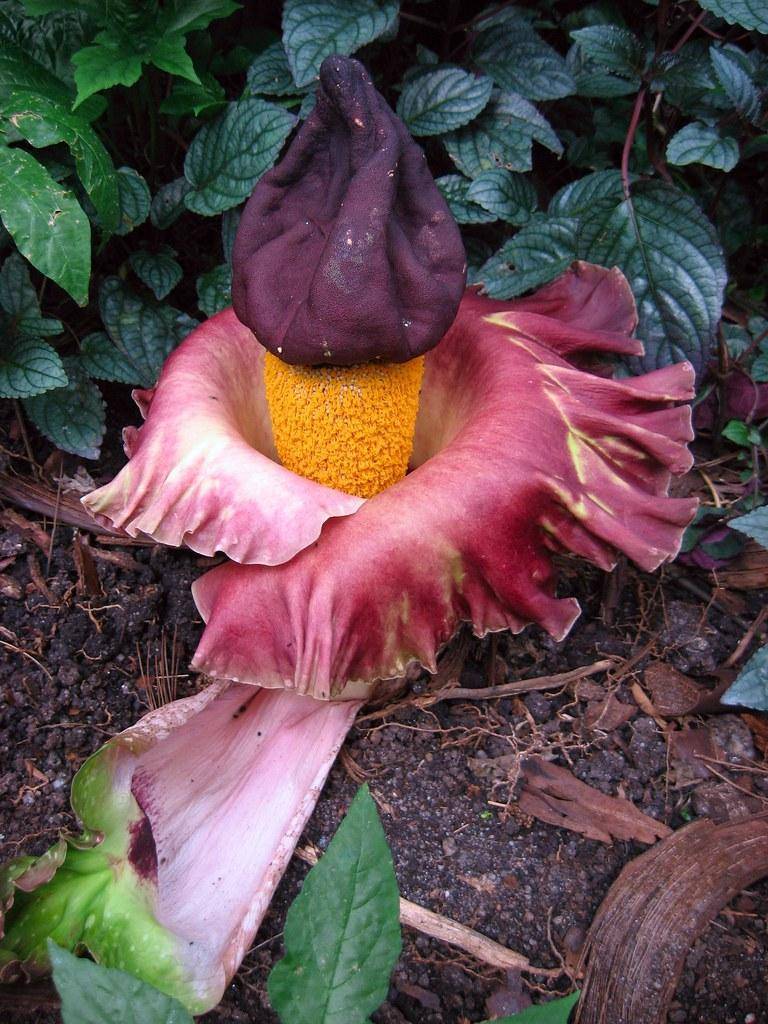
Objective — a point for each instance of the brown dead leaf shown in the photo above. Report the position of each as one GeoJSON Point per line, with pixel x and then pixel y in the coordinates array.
{"type": "Point", "coordinates": [32, 531]}
{"type": "Point", "coordinates": [747, 572]}
{"type": "Point", "coordinates": [688, 749]}
{"type": "Point", "coordinates": [655, 911]}
{"type": "Point", "coordinates": [672, 692]}
{"type": "Point", "coordinates": [553, 794]}
{"type": "Point", "coordinates": [608, 714]}
{"type": "Point", "coordinates": [88, 582]}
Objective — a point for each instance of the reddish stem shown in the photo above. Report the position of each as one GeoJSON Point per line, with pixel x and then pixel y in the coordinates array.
{"type": "Point", "coordinates": [629, 140]}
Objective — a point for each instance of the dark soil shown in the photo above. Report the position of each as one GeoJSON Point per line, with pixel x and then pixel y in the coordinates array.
{"type": "Point", "coordinates": [71, 676]}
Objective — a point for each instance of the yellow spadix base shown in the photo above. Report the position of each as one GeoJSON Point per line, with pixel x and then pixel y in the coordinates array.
{"type": "Point", "coordinates": [348, 427]}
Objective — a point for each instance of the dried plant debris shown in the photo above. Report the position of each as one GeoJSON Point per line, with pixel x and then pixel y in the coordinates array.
{"type": "Point", "coordinates": [655, 910]}
{"type": "Point", "coordinates": [672, 692]}
{"type": "Point", "coordinates": [553, 794]}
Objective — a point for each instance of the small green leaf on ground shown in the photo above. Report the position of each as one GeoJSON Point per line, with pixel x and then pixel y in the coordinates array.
{"type": "Point", "coordinates": [342, 933]}
{"type": "Point", "coordinates": [441, 100]}
{"type": "Point", "coordinates": [157, 270]}
{"type": "Point", "coordinates": [754, 524]}
{"type": "Point", "coordinates": [214, 289]}
{"type": "Point", "coordinates": [228, 156]}
{"type": "Point", "coordinates": [747, 13]}
{"type": "Point", "coordinates": [135, 199]}
{"type": "Point", "coordinates": [92, 994]}
{"type": "Point", "coordinates": [699, 143]}
{"type": "Point", "coordinates": [557, 1011]}
{"type": "Point", "coordinates": [750, 689]}
{"type": "Point", "coordinates": [73, 416]}
{"type": "Point", "coordinates": [315, 29]}
{"type": "Point", "coordinates": [46, 222]}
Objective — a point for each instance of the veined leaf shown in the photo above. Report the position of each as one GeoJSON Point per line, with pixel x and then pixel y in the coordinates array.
{"type": "Point", "coordinates": [230, 221]}
{"type": "Point", "coordinates": [159, 271]}
{"type": "Point", "coordinates": [751, 686]}
{"type": "Point", "coordinates": [29, 366]}
{"type": "Point", "coordinates": [509, 196]}
{"type": "Point", "coordinates": [92, 994]}
{"type": "Point", "coordinates": [315, 29]}
{"type": "Point", "coordinates": [736, 81]}
{"type": "Point", "coordinates": [168, 203]}
{"type": "Point", "coordinates": [134, 199]}
{"type": "Point", "coordinates": [519, 60]}
{"type": "Point", "coordinates": [102, 360]}
{"type": "Point", "coordinates": [102, 65]}
{"type": "Point", "coordinates": [73, 416]}
{"type": "Point", "coordinates": [614, 48]}
{"type": "Point", "coordinates": [214, 289]}
{"type": "Point", "coordinates": [49, 40]}
{"type": "Point", "coordinates": [46, 222]}
{"type": "Point", "coordinates": [750, 14]}
{"type": "Point", "coordinates": [342, 934]}
{"type": "Point", "coordinates": [189, 98]}
{"type": "Point", "coordinates": [699, 143]}
{"type": "Point", "coordinates": [228, 156]}
{"type": "Point", "coordinates": [18, 299]}
{"type": "Point", "coordinates": [502, 136]}
{"type": "Point", "coordinates": [455, 188]}
{"type": "Point", "coordinates": [442, 99]}
{"type": "Point", "coordinates": [269, 73]}
{"type": "Point", "coordinates": [193, 15]}
{"type": "Point", "coordinates": [754, 524]}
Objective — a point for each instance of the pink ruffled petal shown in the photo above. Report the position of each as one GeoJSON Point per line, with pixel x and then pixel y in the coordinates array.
{"type": "Point", "coordinates": [517, 454]}
{"type": "Point", "coordinates": [202, 469]}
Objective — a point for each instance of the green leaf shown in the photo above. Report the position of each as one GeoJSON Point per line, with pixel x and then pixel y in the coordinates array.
{"type": "Point", "coordinates": [738, 432]}
{"type": "Point", "coordinates": [593, 80]}
{"type": "Point", "coordinates": [511, 197]}
{"type": "Point", "coordinates": [102, 360]}
{"type": "Point", "coordinates": [228, 156]}
{"type": "Point", "coordinates": [441, 100]}
{"type": "Point", "coordinates": [144, 332]}
{"type": "Point", "coordinates": [315, 29]}
{"type": "Point", "coordinates": [513, 270]}
{"type": "Point", "coordinates": [736, 81]}
{"type": "Point", "coordinates": [616, 49]}
{"type": "Point", "coordinates": [754, 524]}
{"type": "Point", "coordinates": [193, 15]}
{"type": "Point", "coordinates": [455, 188]}
{"type": "Point", "coordinates": [103, 65]}
{"type": "Point", "coordinates": [190, 98]}
{"type": "Point", "coordinates": [50, 40]}
{"type": "Point", "coordinates": [169, 55]}
{"type": "Point", "coordinates": [168, 203]}
{"type": "Point", "coordinates": [699, 143]}
{"type": "Point", "coordinates": [519, 60]}
{"type": "Point", "coordinates": [134, 199]}
{"type": "Point", "coordinates": [214, 289]}
{"type": "Point", "coordinates": [750, 690]}
{"type": "Point", "coordinates": [557, 1011]}
{"type": "Point", "coordinates": [269, 73]}
{"type": "Point", "coordinates": [747, 13]}
{"type": "Point", "coordinates": [17, 294]}
{"type": "Point", "coordinates": [158, 271]}
{"type": "Point", "coordinates": [29, 366]}
{"type": "Point", "coordinates": [46, 222]}
{"type": "Point", "coordinates": [342, 934]}
{"type": "Point", "coordinates": [92, 994]}
{"type": "Point", "coordinates": [45, 121]}
{"type": "Point", "coordinates": [72, 417]}
{"type": "Point", "coordinates": [502, 136]}
{"type": "Point", "coordinates": [230, 222]}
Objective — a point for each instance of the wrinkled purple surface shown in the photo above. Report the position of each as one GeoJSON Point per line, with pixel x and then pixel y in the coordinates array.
{"type": "Point", "coordinates": [346, 251]}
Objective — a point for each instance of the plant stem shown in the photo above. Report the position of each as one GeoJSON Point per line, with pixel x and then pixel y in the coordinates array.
{"type": "Point", "coordinates": [629, 140]}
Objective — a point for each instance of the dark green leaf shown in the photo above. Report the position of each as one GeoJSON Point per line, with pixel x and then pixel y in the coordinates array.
{"type": "Point", "coordinates": [754, 524]}
{"type": "Point", "coordinates": [190, 98]}
{"type": "Point", "coordinates": [613, 48]}
{"type": "Point", "coordinates": [557, 1011]}
{"type": "Point", "coordinates": [230, 221]}
{"type": "Point", "coordinates": [530, 259]}
{"type": "Point", "coordinates": [593, 80]}
{"type": "Point", "coordinates": [228, 156]}
{"type": "Point", "coordinates": [103, 65]}
{"type": "Point", "coordinates": [315, 29]}
{"type": "Point", "coordinates": [502, 136]}
{"type": "Point", "coordinates": [519, 60]}
{"type": "Point", "coordinates": [19, 300]}
{"type": "Point", "coordinates": [169, 54]}
{"type": "Point", "coordinates": [750, 689]}
{"type": "Point", "coordinates": [135, 199]}
{"type": "Point", "coordinates": [144, 332]}
{"type": "Point", "coordinates": [46, 222]}
{"type": "Point", "coordinates": [738, 432]}
{"type": "Point", "coordinates": [736, 81]}
{"type": "Point", "coordinates": [92, 994]}
{"type": "Point", "coordinates": [168, 204]}
{"type": "Point", "coordinates": [50, 40]}
{"type": "Point", "coordinates": [29, 366]}
{"type": "Point", "coordinates": [699, 143]}
{"type": "Point", "coordinates": [747, 13]}
{"type": "Point", "coordinates": [454, 188]}
{"type": "Point", "coordinates": [159, 271]}
{"type": "Point", "coordinates": [269, 73]}
{"type": "Point", "coordinates": [342, 934]}
{"type": "Point", "coordinates": [580, 196]}
{"type": "Point", "coordinates": [193, 15]}
{"type": "Point", "coordinates": [509, 196]}
{"type": "Point", "coordinates": [214, 289]}
{"type": "Point", "coordinates": [72, 417]}
{"type": "Point", "coordinates": [100, 359]}
{"type": "Point", "coordinates": [442, 99]}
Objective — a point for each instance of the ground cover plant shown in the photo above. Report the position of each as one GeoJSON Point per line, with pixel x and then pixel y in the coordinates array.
{"type": "Point", "coordinates": [561, 141]}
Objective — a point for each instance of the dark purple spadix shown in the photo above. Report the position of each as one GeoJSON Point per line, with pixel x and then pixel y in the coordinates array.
{"type": "Point", "coordinates": [346, 251]}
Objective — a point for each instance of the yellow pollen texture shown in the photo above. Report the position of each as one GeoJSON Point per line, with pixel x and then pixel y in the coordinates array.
{"type": "Point", "coordinates": [348, 427]}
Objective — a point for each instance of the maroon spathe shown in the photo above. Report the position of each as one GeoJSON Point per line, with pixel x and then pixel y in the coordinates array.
{"type": "Point", "coordinates": [346, 251]}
